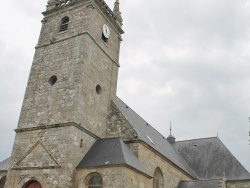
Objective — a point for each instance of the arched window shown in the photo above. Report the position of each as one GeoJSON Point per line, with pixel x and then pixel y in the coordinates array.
{"type": "Point", "coordinates": [94, 181]}
{"type": "Point", "coordinates": [64, 25]}
{"type": "Point", "coordinates": [158, 179]}
{"type": "Point", "coordinates": [2, 182]}
{"type": "Point", "coordinates": [33, 184]}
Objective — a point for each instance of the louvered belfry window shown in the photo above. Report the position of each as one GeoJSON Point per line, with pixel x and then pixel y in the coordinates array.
{"type": "Point", "coordinates": [64, 24]}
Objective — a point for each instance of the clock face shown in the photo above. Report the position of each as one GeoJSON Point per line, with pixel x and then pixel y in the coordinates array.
{"type": "Point", "coordinates": [105, 31]}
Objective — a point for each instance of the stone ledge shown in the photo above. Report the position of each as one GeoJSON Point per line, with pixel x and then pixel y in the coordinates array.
{"type": "Point", "coordinates": [42, 127]}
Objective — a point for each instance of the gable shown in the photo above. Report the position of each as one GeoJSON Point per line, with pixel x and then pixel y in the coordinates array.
{"type": "Point", "coordinates": [118, 125]}
{"type": "Point", "coordinates": [32, 159]}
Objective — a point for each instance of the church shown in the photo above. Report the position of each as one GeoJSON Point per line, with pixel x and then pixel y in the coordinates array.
{"type": "Point", "coordinates": [74, 132]}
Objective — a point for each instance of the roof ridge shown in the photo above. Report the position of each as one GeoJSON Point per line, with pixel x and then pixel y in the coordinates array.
{"type": "Point", "coordinates": [197, 139]}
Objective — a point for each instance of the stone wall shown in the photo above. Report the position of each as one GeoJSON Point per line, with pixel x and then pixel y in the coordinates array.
{"type": "Point", "coordinates": [3, 173]}
{"type": "Point", "coordinates": [118, 125]}
{"type": "Point", "coordinates": [49, 156]}
{"type": "Point", "coordinates": [114, 177]}
{"type": "Point", "coordinates": [171, 175]}
{"type": "Point", "coordinates": [238, 184]}
{"type": "Point", "coordinates": [134, 179]}
{"type": "Point", "coordinates": [81, 61]}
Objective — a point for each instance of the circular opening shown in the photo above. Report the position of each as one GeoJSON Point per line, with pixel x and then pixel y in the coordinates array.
{"type": "Point", "coordinates": [98, 89]}
{"type": "Point", "coordinates": [52, 80]}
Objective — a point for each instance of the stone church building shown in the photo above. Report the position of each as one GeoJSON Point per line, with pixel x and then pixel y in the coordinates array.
{"type": "Point", "coordinates": [74, 132]}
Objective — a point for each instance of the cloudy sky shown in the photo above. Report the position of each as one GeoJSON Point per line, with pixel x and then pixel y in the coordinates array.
{"type": "Point", "coordinates": [184, 61]}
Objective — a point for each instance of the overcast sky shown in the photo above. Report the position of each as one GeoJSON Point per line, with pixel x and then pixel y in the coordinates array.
{"type": "Point", "coordinates": [184, 61]}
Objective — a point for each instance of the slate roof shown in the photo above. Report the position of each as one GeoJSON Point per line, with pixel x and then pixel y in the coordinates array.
{"type": "Point", "coordinates": [152, 137]}
{"type": "Point", "coordinates": [5, 164]}
{"type": "Point", "coordinates": [210, 159]}
{"type": "Point", "coordinates": [199, 184]}
{"type": "Point", "coordinates": [111, 151]}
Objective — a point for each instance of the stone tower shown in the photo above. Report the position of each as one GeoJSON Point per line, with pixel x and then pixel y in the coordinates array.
{"type": "Point", "coordinates": [71, 84]}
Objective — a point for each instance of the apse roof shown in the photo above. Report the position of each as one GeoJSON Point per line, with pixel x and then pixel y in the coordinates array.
{"type": "Point", "coordinates": [111, 151]}
{"type": "Point", "coordinates": [210, 159]}
{"type": "Point", "coordinates": [151, 136]}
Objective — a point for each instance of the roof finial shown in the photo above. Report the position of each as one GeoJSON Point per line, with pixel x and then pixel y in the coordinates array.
{"type": "Point", "coordinates": [171, 138]}
{"type": "Point", "coordinates": [117, 12]}
{"type": "Point", "coordinates": [170, 128]}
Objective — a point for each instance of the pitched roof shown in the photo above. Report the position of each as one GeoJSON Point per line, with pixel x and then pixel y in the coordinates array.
{"type": "Point", "coordinates": [199, 184]}
{"type": "Point", "coordinates": [152, 137]}
{"type": "Point", "coordinates": [5, 164]}
{"type": "Point", "coordinates": [111, 151]}
{"type": "Point", "coordinates": [210, 159]}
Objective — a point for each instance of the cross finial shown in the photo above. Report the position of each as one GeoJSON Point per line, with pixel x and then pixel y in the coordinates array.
{"type": "Point", "coordinates": [170, 128]}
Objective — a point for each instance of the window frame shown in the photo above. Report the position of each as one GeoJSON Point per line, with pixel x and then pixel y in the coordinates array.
{"type": "Point", "coordinates": [64, 24]}
{"type": "Point", "coordinates": [158, 180]}
{"type": "Point", "coordinates": [90, 176]}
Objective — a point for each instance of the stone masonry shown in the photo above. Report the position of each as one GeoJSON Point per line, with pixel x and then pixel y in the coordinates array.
{"type": "Point", "coordinates": [60, 120]}
{"type": "Point", "coordinates": [70, 111]}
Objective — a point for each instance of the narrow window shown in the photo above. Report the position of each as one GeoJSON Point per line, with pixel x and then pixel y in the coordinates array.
{"type": "Point", "coordinates": [158, 179]}
{"type": "Point", "coordinates": [81, 143]}
{"type": "Point", "coordinates": [64, 25]}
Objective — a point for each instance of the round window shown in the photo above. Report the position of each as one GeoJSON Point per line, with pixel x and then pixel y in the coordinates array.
{"type": "Point", "coordinates": [52, 80]}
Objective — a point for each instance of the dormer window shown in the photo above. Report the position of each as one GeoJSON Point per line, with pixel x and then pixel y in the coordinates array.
{"type": "Point", "coordinates": [64, 24]}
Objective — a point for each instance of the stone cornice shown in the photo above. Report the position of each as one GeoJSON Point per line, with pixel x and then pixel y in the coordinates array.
{"type": "Point", "coordinates": [42, 127]}
{"type": "Point", "coordinates": [55, 5]}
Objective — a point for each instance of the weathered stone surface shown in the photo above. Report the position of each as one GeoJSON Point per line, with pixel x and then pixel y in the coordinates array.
{"type": "Point", "coordinates": [238, 184]}
{"type": "Point", "coordinates": [60, 152]}
{"type": "Point", "coordinates": [114, 177]}
{"type": "Point", "coordinates": [63, 113]}
{"type": "Point", "coordinates": [118, 126]}
{"type": "Point", "coordinates": [151, 160]}
{"type": "Point", "coordinates": [68, 106]}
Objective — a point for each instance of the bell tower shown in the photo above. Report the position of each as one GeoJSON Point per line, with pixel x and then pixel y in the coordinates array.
{"type": "Point", "coordinates": [72, 81]}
